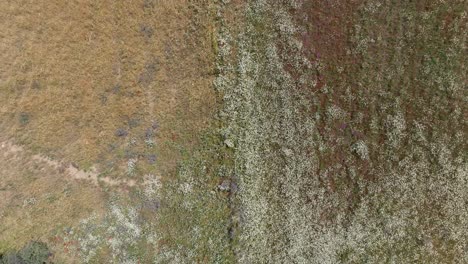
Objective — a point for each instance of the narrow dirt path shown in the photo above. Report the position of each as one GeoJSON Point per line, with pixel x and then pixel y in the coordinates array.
{"type": "Point", "coordinates": [71, 171]}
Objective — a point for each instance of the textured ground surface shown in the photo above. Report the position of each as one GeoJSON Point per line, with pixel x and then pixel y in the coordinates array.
{"type": "Point", "coordinates": [233, 131]}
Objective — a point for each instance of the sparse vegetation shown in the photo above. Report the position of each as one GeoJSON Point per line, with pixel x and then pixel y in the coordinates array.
{"type": "Point", "coordinates": [233, 132]}
{"type": "Point", "coordinates": [323, 147]}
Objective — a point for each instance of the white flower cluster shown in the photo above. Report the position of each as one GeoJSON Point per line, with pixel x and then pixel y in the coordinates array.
{"type": "Point", "coordinates": [396, 126]}
{"type": "Point", "coordinates": [29, 202]}
{"type": "Point", "coordinates": [152, 185]}
{"type": "Point", "coordinates": [360, 148]}
{"type": "Point", "coordinates": [131, 166]}
{"type": "Point", "coordinates": [119, 230]}
{"type": "Point", "coordinates": [335, 112]}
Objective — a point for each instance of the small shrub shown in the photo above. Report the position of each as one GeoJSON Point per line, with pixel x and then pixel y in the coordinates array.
{"type": "Point", "coordinates": [116, 89]}
{"type": "Point", "coordinates": [152, 159]}
{"type": "Point", "coordinates": [103, 99]}
{"type": "Point", "coordinates": [131, 166]}
{"type": "Point", "coordinates": [147, 31]}
{"type": "Point", "coordinates": [33, 253]}
{"type": "Point", "coordinates": [35, 85]}
{"type": "Point", "coordinates": [149, 133]}
{"type": "Point", "coordinates": [155, 125]}
{"type": "Point", "coordinates": [360, 148]}
{"type": "Point", "coordinates": [150, 143]}
{"type": "Point", "coordinates": [133, 122]}
{"type": "Point", "coordinates": [121, 132]}
{"type": "Point", "coordinates": [147, 76]}
{"type": "Point", "coordinates": [148, 4]}
{"type": "Point", "coordinates": [24, 118]}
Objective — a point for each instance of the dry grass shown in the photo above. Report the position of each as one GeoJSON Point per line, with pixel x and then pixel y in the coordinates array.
{"type": "Point", "coordinates": [123, 87]}
{"type": "Point", "coordinates": [38, 200]}
{"type": "Point", "coordinates": [72, 73]}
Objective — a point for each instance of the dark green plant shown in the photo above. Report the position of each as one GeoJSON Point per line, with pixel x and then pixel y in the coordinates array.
{"type": "Point", "coordinates": [33, 253]}
{"type": "Point", "coordinates": [24, 118]}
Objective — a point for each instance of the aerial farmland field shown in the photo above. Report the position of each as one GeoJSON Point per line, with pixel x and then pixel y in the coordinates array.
{"type": "Point", "coordinates": [233, 131]}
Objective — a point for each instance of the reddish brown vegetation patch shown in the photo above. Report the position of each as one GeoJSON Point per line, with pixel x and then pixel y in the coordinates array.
{"type": "Point", "coordinates": [326, 32]}
{"type": "Point", "coordinates": [328, 25]}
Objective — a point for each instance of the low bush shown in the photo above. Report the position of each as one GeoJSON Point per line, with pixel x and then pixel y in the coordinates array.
{"type": "Point", "coordinates": [33, 253]}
